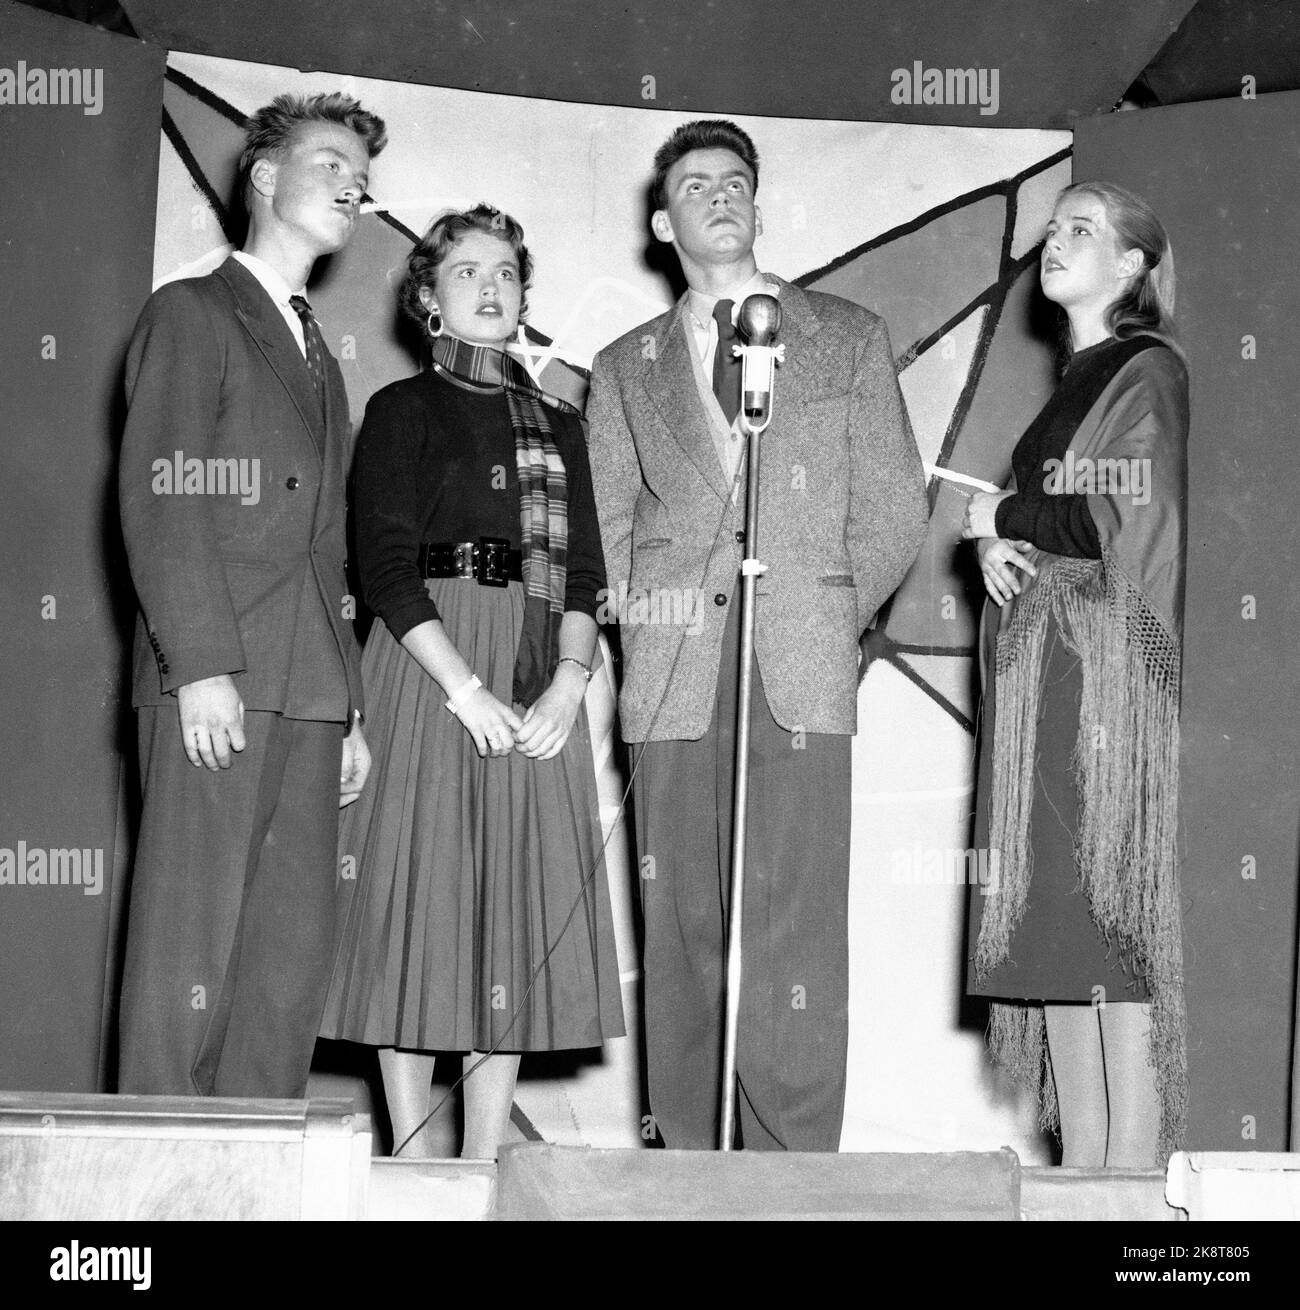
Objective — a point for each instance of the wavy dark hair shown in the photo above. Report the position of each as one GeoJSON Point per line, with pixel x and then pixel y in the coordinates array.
{"type": "Point", "coordinates": [439, 241]}
{"type": "Point", "coordinates": [268, 131]}
{"type": "Point", "coordinates": [1146, 305]}
{"type": "Point", "coordinates": [702, 134]}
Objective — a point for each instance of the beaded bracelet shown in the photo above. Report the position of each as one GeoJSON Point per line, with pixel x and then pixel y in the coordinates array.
{"type": "Point", "coordinates": [569, 659]}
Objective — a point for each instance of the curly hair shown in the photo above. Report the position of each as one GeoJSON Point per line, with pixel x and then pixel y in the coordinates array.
{"type": "Point", "coordinates": [439, 241]}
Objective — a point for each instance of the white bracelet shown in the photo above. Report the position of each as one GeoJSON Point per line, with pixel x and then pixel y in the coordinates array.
{"type": "Point", "coordinates": [462, 693]}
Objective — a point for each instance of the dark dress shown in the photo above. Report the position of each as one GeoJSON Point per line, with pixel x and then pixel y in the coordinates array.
{"type": "Point", "coordinates": [478, 907]}
{"type": "Point", "coordinates": [1057, 953]}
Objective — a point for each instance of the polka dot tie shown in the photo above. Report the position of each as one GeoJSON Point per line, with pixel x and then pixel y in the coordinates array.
{"type": "Point", "coordinates": [315, 346]}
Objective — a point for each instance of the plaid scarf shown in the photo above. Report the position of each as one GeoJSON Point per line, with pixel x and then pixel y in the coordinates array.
{"type": "Point", "coordinates": [543, 500]}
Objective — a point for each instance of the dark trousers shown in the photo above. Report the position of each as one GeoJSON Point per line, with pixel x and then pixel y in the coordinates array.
{"type": "Point", "coordinates": [231, 928]}
{"type": "Point", "coordinates": [793, 1031]}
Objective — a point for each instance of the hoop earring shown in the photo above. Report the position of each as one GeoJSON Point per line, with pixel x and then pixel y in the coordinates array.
{"type": "Point", "coordinates": [428, 324]}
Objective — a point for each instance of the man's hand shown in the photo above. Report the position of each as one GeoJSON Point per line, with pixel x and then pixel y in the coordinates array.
{"type": "Point", "coordinates": [356, 765]}
{"type": "Point", "coordinates": [212, 720]}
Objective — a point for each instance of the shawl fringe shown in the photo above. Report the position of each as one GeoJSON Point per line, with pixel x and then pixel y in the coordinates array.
{"type": "Point", "coordinates": [1125, 764]}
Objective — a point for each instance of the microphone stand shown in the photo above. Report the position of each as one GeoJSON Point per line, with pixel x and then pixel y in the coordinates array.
{"type": "Point", "coordinates": [750, 569]}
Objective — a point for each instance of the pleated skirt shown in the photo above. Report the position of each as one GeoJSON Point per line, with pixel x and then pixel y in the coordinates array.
{"type": "Point", "coordinates": [475, 905]}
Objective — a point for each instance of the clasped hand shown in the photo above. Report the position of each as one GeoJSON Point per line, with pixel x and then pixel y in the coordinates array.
{"type": "Point", "coordinates": [998, 556]}
{"type": "Point", "coordinates": [980, 517]}
{"type": "Point", "coordinates": [540, 734]}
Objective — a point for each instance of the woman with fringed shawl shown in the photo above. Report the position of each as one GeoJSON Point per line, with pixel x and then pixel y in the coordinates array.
{"type": "Point", "coordinates": [475, 910]}
{"type": "Point", "coordinates": [1077, 937]}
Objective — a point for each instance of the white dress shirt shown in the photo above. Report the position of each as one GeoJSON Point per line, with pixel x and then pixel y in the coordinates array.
{"type": "Point", "coordinates": [699, 314]}
{"type": "Point", "coordinates": [278, 289]}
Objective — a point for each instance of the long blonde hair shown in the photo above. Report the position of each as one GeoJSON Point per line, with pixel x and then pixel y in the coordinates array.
{"type": "Point", "coordinates": [1146, 305]}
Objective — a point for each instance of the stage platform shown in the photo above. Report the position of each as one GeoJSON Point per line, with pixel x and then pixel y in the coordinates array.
{"type": "Point", "coordinates": [82, 1157]}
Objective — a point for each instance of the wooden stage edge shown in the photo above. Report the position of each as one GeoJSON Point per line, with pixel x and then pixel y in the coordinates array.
{"type": "Point", "coordinates": [68, 1156]}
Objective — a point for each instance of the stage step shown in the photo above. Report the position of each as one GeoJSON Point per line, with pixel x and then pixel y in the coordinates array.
{"type": "Point", "coordinates": [1117, 1194]}
{"type": "Point", "coordinates": [537, 1181]}
{"type": "Point", "coordinates": [432, 1189]}
{"type": "Point", "coordinates": [66, 1156]}
{"type": "Point", "coordinates": [78, 1156]}
{"type": "Point", "coordinates": [1236, 1184]}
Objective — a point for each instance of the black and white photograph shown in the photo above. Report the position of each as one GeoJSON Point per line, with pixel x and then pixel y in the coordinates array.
{"type": "Point", "coordinates": [654, 612]}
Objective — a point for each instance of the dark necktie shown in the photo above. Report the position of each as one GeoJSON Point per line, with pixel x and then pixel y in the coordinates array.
{"type": "Point", "coordinates": [726, 366]}
{"type": "Point", "coordinates": [315, 346]}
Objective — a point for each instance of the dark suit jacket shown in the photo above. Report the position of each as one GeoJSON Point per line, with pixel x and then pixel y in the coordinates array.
{"type": "Point", "coordinates": [250, 585]}
{"type": "Point", "coordinates": [842, 513]}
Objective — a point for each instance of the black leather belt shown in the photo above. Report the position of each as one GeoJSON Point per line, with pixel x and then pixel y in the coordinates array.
{"type": "Point", "coordinates": [489, 561]}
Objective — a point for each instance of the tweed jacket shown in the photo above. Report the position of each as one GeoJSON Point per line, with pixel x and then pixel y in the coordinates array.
{"type": "Point", "coordinates": [842, 512]}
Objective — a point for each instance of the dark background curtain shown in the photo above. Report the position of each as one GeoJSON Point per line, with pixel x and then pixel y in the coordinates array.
{"type": "Point", "coordinates": [77, 200]}
{"type": "Point", "coordinates": [1222, 175]}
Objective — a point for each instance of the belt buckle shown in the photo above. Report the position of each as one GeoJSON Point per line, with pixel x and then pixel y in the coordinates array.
{"type": "Point", "coordinates": [462, 559]}
{"type": "Point", "coordinates": [490, 566]}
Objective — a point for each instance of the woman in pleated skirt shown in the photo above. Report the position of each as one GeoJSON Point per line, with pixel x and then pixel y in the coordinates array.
{"type": "Point", "coordinates": [475, 915]}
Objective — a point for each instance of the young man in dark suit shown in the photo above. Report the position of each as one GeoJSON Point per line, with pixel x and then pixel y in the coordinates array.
{"type": "Point", "coordinates": [842, 512]}
{"type": "Point", "coordinates": [246, 672]}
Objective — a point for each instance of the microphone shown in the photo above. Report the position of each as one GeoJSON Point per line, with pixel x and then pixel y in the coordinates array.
{"type": "Point", "coordinates": [759, 320]}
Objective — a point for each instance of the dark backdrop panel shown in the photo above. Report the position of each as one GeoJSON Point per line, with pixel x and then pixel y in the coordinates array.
{"type": "Point", "coordinates": [76, 252]}
{"type": "Point", "coordinates": [1224, 177]}
{"type": "Point", "coordinates": [1055, 59]}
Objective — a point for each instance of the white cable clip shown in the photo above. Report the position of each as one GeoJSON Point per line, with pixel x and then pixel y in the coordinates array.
{"type": "Point", "coordinates": [741, 351]}
{"type": "Point", "coordinates": [752, 568]}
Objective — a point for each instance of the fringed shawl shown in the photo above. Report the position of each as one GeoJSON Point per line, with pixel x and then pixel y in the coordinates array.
{"type": "Point", "coordinates": [1122, 615]}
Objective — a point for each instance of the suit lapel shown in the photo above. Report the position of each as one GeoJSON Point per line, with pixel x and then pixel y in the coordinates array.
{"type": "Point", "coordinates": [799, 328]}
{"type": "Point", "coordinates": [262, 320]}
{"type": "Point", "coordinates": [671, 386]}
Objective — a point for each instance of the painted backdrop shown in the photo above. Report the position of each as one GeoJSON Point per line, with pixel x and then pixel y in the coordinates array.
{"type": "Point", "coordinates": [934, 228]}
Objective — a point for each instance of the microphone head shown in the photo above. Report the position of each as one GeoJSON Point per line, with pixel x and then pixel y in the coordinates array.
{"type": "Point", "coordinates": [759, 319]}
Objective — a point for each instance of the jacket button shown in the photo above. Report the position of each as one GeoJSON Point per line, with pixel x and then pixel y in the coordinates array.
{"type": "Point", "coordinates": [740, 535]}
{"type": "Point", "coordinates": [292, 484]}
{"type": "Point", "coordinates": [719, 599]}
